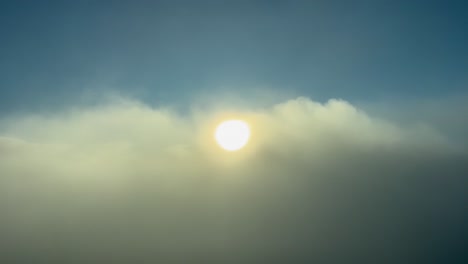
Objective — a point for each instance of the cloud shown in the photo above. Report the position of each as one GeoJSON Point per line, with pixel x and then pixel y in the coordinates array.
{"type": "Point", "coordinates": [124, 182]}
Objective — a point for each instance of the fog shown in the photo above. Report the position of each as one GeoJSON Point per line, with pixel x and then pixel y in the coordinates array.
{"type": "Point", "coordinates": [125, 182]}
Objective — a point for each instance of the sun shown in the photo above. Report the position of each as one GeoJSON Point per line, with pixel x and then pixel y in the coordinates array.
{"type": "Point", "coordinates": [232, 135]}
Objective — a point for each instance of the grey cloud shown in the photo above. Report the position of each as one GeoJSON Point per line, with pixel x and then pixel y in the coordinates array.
{"type": "Point", "coordinates": [127, 183]}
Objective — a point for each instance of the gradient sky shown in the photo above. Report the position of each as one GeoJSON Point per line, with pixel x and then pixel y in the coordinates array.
{"type": "Point", "coordinates": [169, 51]}
{"type": "Point", "coordinates": [358, 114]}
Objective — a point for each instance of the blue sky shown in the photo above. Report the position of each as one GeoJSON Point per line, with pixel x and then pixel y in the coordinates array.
{"type": "Point", "coordinates": [169, 52]}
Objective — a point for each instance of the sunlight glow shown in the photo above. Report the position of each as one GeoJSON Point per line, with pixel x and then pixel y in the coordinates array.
{"type": "Point", "coordinates": [232, 135]}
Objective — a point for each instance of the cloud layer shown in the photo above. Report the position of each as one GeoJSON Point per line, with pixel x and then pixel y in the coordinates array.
{"type": "Point", "coordinates": [126, 183]}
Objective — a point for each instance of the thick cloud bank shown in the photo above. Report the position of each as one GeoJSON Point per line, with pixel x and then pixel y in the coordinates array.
{"type": "Point", "coordinates": [126, 183]}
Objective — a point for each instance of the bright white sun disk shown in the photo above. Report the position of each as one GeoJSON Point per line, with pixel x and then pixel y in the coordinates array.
{"type": "Point", "coordinates": [232, 135]}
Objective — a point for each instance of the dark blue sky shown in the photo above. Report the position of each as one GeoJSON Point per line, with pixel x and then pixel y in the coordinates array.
{"type": "Point", "coordinates": [168, 52]}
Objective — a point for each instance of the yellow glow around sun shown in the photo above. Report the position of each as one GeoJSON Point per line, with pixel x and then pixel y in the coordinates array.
{"type": "Point", "coordinates": [232, 135]}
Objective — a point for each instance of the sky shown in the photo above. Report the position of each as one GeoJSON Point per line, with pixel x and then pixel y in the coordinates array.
{"type": "Point", "coordinates": [358, 112]}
